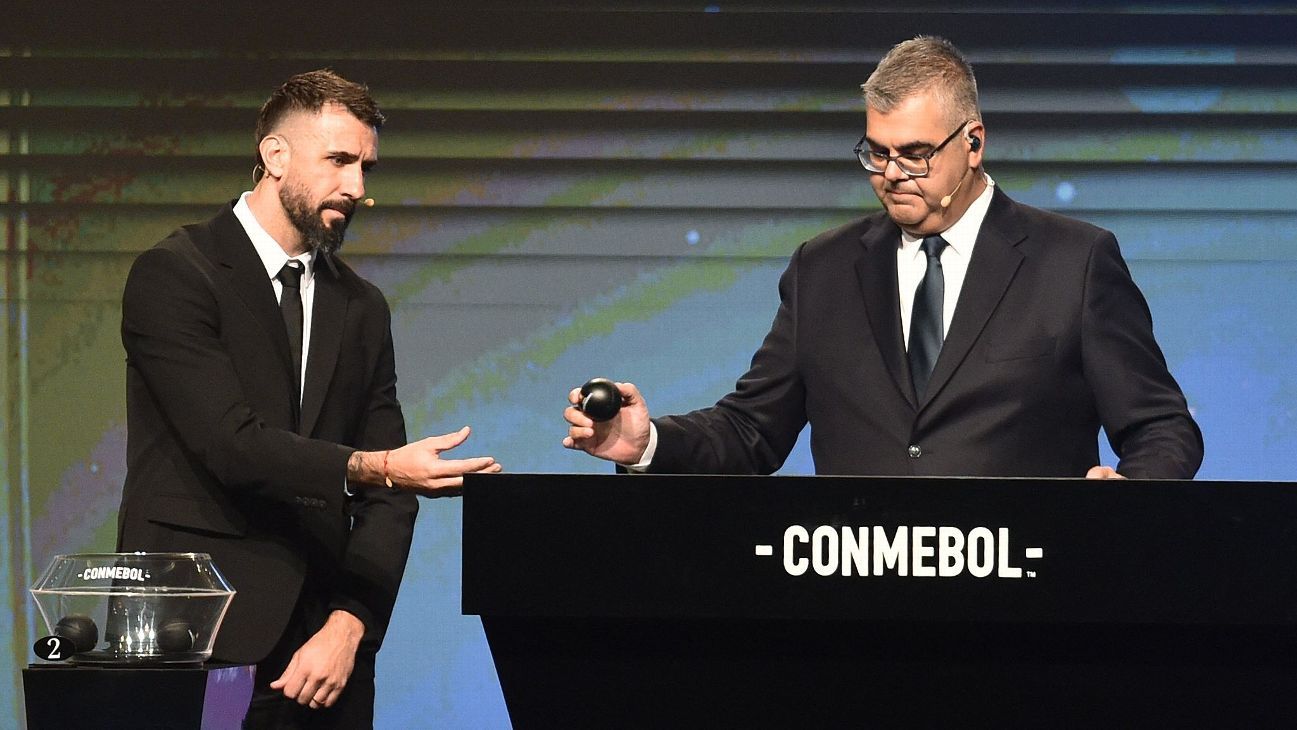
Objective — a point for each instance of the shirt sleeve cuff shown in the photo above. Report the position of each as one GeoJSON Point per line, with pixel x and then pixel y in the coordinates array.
{"type": "Point", "coordinates": [642, 465]}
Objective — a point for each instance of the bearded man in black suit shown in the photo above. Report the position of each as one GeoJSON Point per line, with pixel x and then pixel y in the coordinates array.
{"type": "Point", "coordinates": [263, 423]}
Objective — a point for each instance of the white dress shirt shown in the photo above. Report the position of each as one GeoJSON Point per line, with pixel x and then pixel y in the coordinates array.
{"type": "Point", "coordinates": [911, 265]}
{"type": "Point", "coordinates": [273, 258]}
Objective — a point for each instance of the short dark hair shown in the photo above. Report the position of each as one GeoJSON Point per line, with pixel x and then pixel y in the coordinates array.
{"type": "Point", "coordinates": [310, 92]}
{"type": "Point", "coordinates": [923, 64]}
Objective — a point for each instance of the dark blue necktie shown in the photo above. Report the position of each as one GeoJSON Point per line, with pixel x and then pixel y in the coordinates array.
{"type": "Point", "coordinates": [926, 317]}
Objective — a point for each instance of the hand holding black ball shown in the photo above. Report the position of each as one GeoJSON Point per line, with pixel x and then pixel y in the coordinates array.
{"type": "Point", "coordinates": [609, 420]}
{"type": "Point", "coordinates": [600, 399]}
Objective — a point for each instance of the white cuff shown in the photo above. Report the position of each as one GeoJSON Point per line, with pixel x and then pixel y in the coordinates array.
{"type": "Point", "coordinates": [643, 464]}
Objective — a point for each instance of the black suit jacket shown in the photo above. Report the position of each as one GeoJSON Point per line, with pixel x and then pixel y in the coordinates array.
{"type": "Point", "coordinates": [213, 461]}
{"type": "Point", "coordinates": [1050, 339]}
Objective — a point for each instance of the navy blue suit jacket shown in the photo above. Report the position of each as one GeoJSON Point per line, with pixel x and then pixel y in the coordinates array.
{"type": "Point", "coordinates": [1050, 340]}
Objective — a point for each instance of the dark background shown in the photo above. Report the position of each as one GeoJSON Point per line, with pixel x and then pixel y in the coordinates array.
{"type": "Point", "coordinates": [581, 190]}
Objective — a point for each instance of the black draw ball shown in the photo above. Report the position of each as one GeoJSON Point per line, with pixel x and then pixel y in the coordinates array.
{"type": "Point", "coordinates": [79, 631]}
{"type": "Point", "coordinates": [600, 399]}
{"type": "Point", "coordinates": [176, 636]}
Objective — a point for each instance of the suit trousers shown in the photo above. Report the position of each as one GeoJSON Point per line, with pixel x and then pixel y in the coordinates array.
{"type": "Point", "coordinates": [270, 709]}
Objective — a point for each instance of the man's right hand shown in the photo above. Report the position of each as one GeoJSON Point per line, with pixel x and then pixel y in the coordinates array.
{"type": "Point", "coordinates": [622, 439]}
{"type": "Point", "coordinates": [418, 466]}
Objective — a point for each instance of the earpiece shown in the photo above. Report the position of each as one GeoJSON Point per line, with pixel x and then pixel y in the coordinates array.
{"type": "Point", "coordinates": [974, 144]}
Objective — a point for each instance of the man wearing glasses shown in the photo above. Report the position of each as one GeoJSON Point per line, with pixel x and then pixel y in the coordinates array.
{"type": "Point", "coordinates": [955, 333]}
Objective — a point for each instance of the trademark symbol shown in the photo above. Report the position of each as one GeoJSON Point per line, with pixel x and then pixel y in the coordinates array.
{"type": "Point", "coordinates": [1031, 574]}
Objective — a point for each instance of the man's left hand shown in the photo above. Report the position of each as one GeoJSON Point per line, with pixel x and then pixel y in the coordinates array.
{"type": "Point", "coordinates": [1103, 472]}
{"type": "Point", "coordinates": [318, 672]}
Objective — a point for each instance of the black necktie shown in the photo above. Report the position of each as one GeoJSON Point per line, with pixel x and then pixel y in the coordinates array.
{"type": "Point", "coordinates": [926, 317]}
{"type": "Point", "coordinates": [290, 305]}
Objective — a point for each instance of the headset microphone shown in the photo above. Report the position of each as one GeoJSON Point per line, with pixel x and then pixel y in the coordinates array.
{"type": "Point", "coordinates": [974, 144]}
{"type": "Point", "coordinates": [945, 202]}
{"type": "Point", "coordinates": [367, 202]}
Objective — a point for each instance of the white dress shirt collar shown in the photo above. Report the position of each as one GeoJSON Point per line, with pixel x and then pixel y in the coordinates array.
{"type": "Point", "coordinates": [963, 234]}
{"type": "Point", "coordinates": [272, 254]}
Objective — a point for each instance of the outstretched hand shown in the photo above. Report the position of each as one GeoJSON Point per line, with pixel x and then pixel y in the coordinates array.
{"type": "Point", "coordinates": [419, 466]}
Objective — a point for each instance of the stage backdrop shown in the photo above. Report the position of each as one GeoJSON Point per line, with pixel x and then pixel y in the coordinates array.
{"type": "Point", "coordinates": [584, 191]}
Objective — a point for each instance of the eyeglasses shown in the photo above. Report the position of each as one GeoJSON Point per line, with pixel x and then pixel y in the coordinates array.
{"type": "Point", "coordinates": [911, 165]}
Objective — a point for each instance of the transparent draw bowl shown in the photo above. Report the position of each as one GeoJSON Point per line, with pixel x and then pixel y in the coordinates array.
{"type": "Point", "coordinates": [134, 609]}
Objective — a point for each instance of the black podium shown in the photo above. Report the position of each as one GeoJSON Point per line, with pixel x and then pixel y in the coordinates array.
{"type": "Point", "coordinates": [697, 601]}
{"type": "Point", "coordinates": [70, 697]}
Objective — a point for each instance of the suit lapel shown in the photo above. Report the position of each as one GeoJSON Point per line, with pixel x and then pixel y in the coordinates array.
{"type": "Point", "coordinates": [327, 315]}
{"type": "Point", "coordinates": [995, 262]}
{"type": "Point", "coordinates": [246, 274]}
{"type": "Point", "coordinates": [876, 272]}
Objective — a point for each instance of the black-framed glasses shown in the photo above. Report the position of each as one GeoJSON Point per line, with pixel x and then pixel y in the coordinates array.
{"type": "Point", "coordinates": [910, 164]}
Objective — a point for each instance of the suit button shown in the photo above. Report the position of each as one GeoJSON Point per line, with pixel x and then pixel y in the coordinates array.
{"type": "Point", "coordinates": [914, 451]}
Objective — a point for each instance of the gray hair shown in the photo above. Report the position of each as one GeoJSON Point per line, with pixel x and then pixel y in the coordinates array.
{"type": "Point", "coordinates": [922, 64]}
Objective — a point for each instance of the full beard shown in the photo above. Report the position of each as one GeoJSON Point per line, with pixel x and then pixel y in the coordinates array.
{"type": "Point", "coordinates": [307, 219]}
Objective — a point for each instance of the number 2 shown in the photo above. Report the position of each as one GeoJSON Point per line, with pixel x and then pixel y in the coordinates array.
{"type": "Point", "coordinates": [49, 648]}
